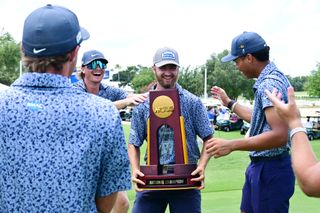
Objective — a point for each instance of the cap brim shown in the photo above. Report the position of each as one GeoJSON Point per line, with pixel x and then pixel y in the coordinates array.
{"type": "Point", "coordinates": [228, 58]}
{"type": "Point", "coordinates": [97, 58]}
{"type": "Point", "coordinates": [162, 63]}
{"type": "Point", "coordinates": [85, 35]}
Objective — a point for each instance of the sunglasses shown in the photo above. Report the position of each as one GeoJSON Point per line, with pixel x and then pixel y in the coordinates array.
{"type": "Point", "coordinates": [94, 64]}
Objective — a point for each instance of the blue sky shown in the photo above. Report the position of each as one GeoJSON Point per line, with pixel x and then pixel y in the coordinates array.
{"type": "Point", "coordinates": [129, 32]}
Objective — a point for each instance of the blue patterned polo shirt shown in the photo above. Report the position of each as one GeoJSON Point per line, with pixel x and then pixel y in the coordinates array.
{"type": "Point", "coordinates": [269, 78]}
{"type": "Point", "coordinates": [60, 148]}
{"type": "Point", "coordinates": [196, 124]}
{"type": "Point", "coordinates": [105, 91]}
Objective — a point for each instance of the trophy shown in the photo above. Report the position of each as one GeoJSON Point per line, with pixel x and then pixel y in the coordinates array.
{"type": "Point", "coordinates": [165, 110]}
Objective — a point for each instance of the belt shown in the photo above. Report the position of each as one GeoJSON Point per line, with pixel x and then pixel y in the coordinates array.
{"type": "Point", "coordinates": [267, 158]}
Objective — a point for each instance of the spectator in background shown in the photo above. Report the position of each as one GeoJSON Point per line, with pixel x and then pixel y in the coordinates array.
{"type": "Point", "coordinates": [216, 114]}
{"type": "Point", "coordinates": [211, 115]}
{"type": "Point", "coordinates": [304, 161]}
{"type": "Point", "coordinates": [57, 154]}
{"type": "Point", "coordinates": [223, 114]}
{"type": "Point", "coordinates": [316, 125]}
{"type": "Point", "coordinates": [233, 117]}
{"type": "Point", "coordinates": [309, 123]}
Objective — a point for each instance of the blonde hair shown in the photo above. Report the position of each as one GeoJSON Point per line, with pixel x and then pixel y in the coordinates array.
{"type": "Point", "coordinates": [41, 65]}
{"type": "Point", "coordinates": [80, 74]}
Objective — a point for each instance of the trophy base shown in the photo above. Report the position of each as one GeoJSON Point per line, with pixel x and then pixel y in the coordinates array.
{"type": "Point", "coordinates": [168, 177]}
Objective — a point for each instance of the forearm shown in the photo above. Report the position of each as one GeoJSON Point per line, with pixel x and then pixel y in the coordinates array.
{"type": "Point", "coordinates": [105, 204]}
{"type": "Point", "coordinates": [134, 157]}
{"type": "Point", "coordinates": [204, 157]}
{"type": "Point", "coordinates": [267, 140]}
{"type": "Point", "coordinates": [276, 137]}
{"type": "Point", "coordinates": [305, 165]}
{"type": "Point", "coordinates": [120, 104]}
{"type": "Point", "coordinates": [243, 112]}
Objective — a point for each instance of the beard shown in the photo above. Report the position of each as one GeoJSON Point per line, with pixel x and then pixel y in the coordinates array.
{"type": "Point", "coordinates": [167, 84]}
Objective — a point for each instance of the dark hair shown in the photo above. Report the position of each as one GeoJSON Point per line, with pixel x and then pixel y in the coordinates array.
{"type": "Point", "coordinates": [262, 55]}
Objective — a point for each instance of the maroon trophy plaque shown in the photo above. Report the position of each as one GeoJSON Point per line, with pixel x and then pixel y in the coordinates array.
{"type": "Point", "coordinates": [165, 110]}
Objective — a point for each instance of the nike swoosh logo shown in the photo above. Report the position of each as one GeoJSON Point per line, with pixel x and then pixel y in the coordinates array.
{"type": "Point", "coordinates": [35, 51]}
{"type": "Point", "coordinates": [93, 55]}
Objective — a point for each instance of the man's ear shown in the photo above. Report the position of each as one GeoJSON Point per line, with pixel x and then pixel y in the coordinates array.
{"type": "Point", "coordinates": [250, 57]}
{"type": "Point", "coordinates": [74, 53]}
{"type": "Point", "coordinates": [82, 69]}
{"type": "Point", "coordinates": [154, 69]}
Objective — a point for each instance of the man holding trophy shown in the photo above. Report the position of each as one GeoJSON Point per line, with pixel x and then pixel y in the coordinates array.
{"type": "Point", "coordinates": [170, 120]}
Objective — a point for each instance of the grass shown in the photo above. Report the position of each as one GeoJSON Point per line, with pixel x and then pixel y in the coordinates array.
{"type": "Point", "coordinates": [303, 95]}
{"type": "Point", "coordinates": [225, 177]}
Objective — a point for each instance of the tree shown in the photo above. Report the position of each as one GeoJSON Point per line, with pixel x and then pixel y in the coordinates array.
{"type": "Point", "coordinates": [313, 83]}
{"type": "Point", "coordinates": [141, 80]}
{"type": "Point", "coordinates": [191, 80]}
{"type": "Point", "coordinates": [247, 91]}
{"type": "Point", "coordinates": [211, 77]}
{"type": "Point", "coordinates": [226, 76]}
{"type": "Point", "coordinates": [298, 82]}
{"type": "Point", "coordinates": [125, 76]}
{"type": "Point", "coordinates": [9, 59]}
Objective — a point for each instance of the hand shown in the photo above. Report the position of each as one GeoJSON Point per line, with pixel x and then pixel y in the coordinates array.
{"type": "Point", "coordinates": [134, 178]}
{"type": "Point", "coordinates": [135, 99]}
{"type": "Point", "coordinates": [221, 95]}
{"type": "Point", "coordinates": [218, 147]}
{"type": "Point", "coordinates": [288, 112]}
{"type": "Point", "coordinates": [199, 170]}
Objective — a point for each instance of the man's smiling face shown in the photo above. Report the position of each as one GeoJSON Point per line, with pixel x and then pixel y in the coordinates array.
{"type": "Point", "coordinates": [94, 71]}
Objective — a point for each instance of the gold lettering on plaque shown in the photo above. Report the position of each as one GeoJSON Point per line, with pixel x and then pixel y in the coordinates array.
{"type": "Point", "coordinates": [163, 106]}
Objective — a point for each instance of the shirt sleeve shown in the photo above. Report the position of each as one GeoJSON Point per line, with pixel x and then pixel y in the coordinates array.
{"type": "Point", "coordinates": [202, 123]}
{"type": "Point", "coordinates": [79, 85]}
{"type": "Point", "coordinates": [270, 84]}
{"type": "Point", "coordinates": [115, 166]}
{"type": "Point", "coordinates": [119, 94]}
{"type": "Point", "coordinates": [138, 131]}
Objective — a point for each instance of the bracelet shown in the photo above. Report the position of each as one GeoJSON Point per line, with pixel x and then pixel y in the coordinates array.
{"type": "Point", "coordinates": [296, 130]}
{"type": "Point", "coordinates": [233, 106]}
{"type": "Point", "coordinates": [231, 103]}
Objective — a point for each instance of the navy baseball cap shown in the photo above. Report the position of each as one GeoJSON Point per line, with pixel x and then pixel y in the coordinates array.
{"type": "Point", "coordinates": [92, 55]}
{"type": "Point", "coordinates": [164, 56]}
{"type": "Point", "coordinates": [51, 31]}
{"type": "Point", "coordinates": [247, 42]}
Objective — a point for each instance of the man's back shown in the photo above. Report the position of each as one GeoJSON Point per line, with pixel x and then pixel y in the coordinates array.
{"type": "Point", "coordinates": [60, 148]}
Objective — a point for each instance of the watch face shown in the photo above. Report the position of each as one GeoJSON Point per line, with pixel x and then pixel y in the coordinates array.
{"type": "Point", "coordinates": [163, 106]}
